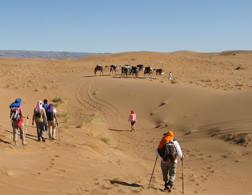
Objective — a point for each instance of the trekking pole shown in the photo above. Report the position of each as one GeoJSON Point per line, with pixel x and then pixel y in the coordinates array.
{"type": "Point", "coordinates": [182, 175]}
{"type": "Point", "coordinates": [26, 127]}
{"type": "Point", "coordinates": [152, 172]}
{"type": "Point", "coordinates": [59, 133]}
{"type": "Point", "coordinates": [11, 133]}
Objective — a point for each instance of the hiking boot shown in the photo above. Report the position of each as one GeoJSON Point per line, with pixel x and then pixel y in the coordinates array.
{"type": "Point", "coordinates": [24, 143]}
{"type": "Point", "coordinates": [167, 187]}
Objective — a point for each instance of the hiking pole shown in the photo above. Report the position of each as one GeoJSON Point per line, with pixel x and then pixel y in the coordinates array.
{"type": "Point", "coordinates": [182, 175]}
{"type": "Point", "coordinates": [59, 133]}
{"type": "Point", "coordinates": [11, 133]}
{"type": "Point", "coordinates": [152, 172]}
{"type": "Point", "coordinates": [26, 128]}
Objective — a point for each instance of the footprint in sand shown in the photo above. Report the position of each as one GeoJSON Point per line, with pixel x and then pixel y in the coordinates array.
{"type": "Point", "coordinates": [105, 187]}
{"type": "Point", "coordinates": [9, 173]}
{"type": "Point", "coordinates": [247, 153]}
{"type": "Point", "coordinates": [121, 191]}
{"type": "Point", "coordinates": [135, 191]}
{"type": "Point", "coordinates": [52, 160]}
{"type": "Point", "coordinates": [96, 192]}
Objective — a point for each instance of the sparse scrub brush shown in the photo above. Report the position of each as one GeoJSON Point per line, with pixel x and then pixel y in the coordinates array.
{"type": "Point", "coordinates": [173, 81]}
{"type": "Point", "coordinates": [57, 99]}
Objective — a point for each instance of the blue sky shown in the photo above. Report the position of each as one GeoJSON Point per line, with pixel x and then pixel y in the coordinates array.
{"type": "Point", "coordinates": [113, 26]}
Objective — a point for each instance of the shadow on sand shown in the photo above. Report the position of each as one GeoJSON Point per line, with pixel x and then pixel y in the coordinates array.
{"type": "Point", "coordinates": [27, 136]}
{"type": "Point", "coordinates": [119, 130]}
{"type": "Point", "coordinates": [4, 141]}
{"type": "Point", "coordinates": [102, 75]}
{"type": "Point", "coordinates": [125, 183]}
{"type": "Point", "coordinates": [133, 185]}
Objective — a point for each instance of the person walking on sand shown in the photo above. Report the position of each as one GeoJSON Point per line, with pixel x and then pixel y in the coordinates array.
{"type": "Point", "coordinates": [169, 149]}
{"type": "Point", "coordinates": [132, 120]}
{"type": "Point", "coordinates": [39, 116]}
{"type": "Point", "coordinates": [17, 115]}
{"type": "Point", "coordinates": [170, 76]}
{"type": "Point", "coordinates": [52, 121]}
{"type": "Point", "coordinates": [45, 106]}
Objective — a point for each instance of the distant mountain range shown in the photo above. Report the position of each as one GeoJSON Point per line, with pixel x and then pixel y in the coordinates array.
{"type": "Point", "coordinates": [43, 54]}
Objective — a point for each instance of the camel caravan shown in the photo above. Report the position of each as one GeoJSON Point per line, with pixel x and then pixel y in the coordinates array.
{"type": "Point", "coordinates": [133, 71]}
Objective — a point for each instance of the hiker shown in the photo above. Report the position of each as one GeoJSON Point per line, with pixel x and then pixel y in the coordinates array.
{"type": "Point", "coordinates": [52, 121]}
{"type": "Point", "coordinates": [169, 154]}
{"type": "Point", "coordinates": [132, 119]}
{"type": "Point", "coordinates": [17, 115]}
{"type": "Point", "coordinates": [170, 76]}
{"type": "Point", "coordinates": [45, 106]}
{"type": "Point", "coordinates": [39, 116]}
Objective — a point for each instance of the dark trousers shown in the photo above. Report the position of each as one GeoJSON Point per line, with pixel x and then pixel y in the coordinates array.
{"type": "Point", "coordinates": [40, 130]}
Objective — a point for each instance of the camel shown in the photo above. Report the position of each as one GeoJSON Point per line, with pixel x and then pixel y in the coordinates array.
{"type": "Point", "coordinates": [99, 67]}
{"type": "Point", "coordinates": [134, 71]}
{"type": "Point", "coordinates": [140, 67]}
{"type": "Point", "coordinates": [113, 68]}
{"type": "Point", "coordinates": [125, 70]}
{"type": "Point", "coordinates": [148, 71]}
{"type": "Point", "coordinates": [160, 72]}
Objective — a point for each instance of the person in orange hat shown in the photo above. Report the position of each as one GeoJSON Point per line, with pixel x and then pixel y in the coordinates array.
{"type": "Point", "coordinates": [169, 149]}
{"type": "Point", "coordinates": [132, 120]}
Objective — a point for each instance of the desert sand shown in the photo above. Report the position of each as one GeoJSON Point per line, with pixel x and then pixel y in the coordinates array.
{"type": "Point", "coordinates": [207, 105]}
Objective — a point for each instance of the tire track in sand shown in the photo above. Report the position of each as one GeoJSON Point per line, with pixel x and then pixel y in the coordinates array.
{"type": "Point", "coordinates": [88, 100]}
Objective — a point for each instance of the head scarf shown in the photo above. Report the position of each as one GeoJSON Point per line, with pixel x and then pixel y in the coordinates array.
{"type": "Point", "coordinates": [50, 108]}
{"type": "Point", "coordinates": [132, 112]}
{"type": "Point", "coordinates": [17, 103]}
{"type": "Point", "coordinates": [39, 106]}
{"type": "Point", "coordinates": [167, 137]}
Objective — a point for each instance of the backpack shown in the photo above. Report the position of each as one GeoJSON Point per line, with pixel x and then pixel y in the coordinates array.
{"type": "Point", "coordinates": [170, 153]}
{"type": "Point", "coordinates": [49, 115]}
{"type": "Point", "coordinates": [38, 114]}
{"type": "Point", "coordinates": [15, 113]}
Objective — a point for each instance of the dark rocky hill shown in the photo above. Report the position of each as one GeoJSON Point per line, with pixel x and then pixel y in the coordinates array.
{"type": "Point", "coordinates": [43, 54]}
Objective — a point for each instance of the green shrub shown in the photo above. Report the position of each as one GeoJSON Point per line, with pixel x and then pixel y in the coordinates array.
{"type": "Point", "coordinates": [173, 81]}
{"type": "Point", "coordinates": [57, 99]}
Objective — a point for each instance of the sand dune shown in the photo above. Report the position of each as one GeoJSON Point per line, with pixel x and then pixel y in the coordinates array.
{"type": "Point", "coordinates": [208, 108]}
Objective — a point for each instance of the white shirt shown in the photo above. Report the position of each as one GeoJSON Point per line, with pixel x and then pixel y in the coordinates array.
{"type": "Point", "coordinates": [54, 112]}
